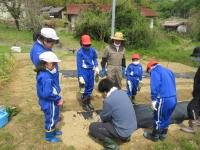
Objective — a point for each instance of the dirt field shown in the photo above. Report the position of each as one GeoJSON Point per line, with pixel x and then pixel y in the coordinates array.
{"type": "Point", "coordinates": [26, 128]}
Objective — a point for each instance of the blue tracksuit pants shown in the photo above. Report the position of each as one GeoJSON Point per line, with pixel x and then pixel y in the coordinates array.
{"type": "Point", "coordinates": [51, 113]}
{"type": "Point", "coordinates": [165, 108]}
{"type": "Point", "coordinates": [88, 76]}
{"type": "Point", "coordinates": [132, 87]}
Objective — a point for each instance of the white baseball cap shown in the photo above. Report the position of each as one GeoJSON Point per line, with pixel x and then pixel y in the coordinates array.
{"type": "Point", "coordinates": [49, 33]}
{"type": "Point", "coordinates": [49, 57]}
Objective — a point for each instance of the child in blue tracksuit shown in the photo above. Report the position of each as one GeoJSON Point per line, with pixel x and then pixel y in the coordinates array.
{"type": "Point", "coordinates": [87, 65]}
{"type": "Point", "coordinates": [163, 95]}
{"type": "Point", "coordinates": [48, 94]}
{"type": "Point", "coordinates": [133, 77]}
{"type": "Point", "coordinates": [45, 42]}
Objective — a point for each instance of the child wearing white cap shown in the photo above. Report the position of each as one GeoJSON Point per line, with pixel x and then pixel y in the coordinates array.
{"type": "Point", "coordinates": [48, 94]}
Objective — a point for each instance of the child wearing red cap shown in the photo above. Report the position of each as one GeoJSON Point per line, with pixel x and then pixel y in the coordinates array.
{"type": "Point", "coordinates": [134, 77]}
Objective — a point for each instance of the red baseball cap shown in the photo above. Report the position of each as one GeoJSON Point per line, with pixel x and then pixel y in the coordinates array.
{"type": "Point", "coordinates": [151, 63]}
{"type": "Point", "coordinates": [135, 56]}
{"type": "Point", "coordinates": [85, 40]}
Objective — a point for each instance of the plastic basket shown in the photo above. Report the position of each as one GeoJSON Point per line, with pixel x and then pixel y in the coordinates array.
{"type": "Point", "coordinates": [3, 117]}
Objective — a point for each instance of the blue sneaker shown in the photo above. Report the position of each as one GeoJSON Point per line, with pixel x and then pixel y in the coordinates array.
{"type": "Point", "coordinates": [57, 132]}
{"type": "Point", "coordinates": [50, 137]}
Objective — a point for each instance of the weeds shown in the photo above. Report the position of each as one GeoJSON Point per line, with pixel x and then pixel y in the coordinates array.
{"type": "Point", "coordinates": [6, 65]}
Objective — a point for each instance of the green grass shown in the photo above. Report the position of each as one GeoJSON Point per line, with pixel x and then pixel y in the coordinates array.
{"type": "Point", "coordinates": [182, 141]}
{"type": "Point", "coordinates": [10, 34]}
{"type": "Point", "coordinates": [6, 140]}
{"type": "Point", "coordinates": [7, 48]}
{"type": "Point", "coordinates": [167, 50]}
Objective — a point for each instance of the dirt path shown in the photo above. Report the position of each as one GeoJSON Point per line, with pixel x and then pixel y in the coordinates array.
{"type": "Point", "coordinates": [26, 129]}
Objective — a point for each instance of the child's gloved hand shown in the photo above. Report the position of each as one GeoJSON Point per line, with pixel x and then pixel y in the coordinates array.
{"type": "Point", "coordinates": [60, 102]}
{"type": "Point", "coordinates": [96, 70]}
{"type": "Point", "coordinates": [81, 80]}
{"type": "Point", "coordinates": [153, 105]}
{"type": "Point", "coordinates": [123, 72]}
{"type": "Point", "coordinates": [103, 72]}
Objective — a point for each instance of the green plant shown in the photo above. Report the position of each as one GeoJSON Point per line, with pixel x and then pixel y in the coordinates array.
{"type": "Point", "coordinates": [134, 26]}
{"type": "Point", "coordinates": [94, 23]}
{"type": "Point", "coordinates": [12, 111]}
{"type": "Point", "coordinates": [6, 65]}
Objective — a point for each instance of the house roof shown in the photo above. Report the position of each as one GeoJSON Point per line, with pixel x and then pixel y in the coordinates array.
{"type": "Point", "coordinates": [106, 8]}
{"type": "Point", "coordinates": [78, 8]}
{"type": "Point", "coordinates": [172, 23]}
{"type": "Point", "coordinates": [56, 10]}
{"type": "Point", "coordinates": [46, 8]}
{"type": "Point", "coordinates": [147, 12]}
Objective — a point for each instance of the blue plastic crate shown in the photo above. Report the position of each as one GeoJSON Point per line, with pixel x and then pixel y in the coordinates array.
{"type": "Point", "coordinates": [3, 117]}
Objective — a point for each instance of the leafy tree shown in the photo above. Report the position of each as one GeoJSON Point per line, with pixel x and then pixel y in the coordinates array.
{"type": "Point", "coordinates": [134, 26]}
{"type": "Point", "coordinates": [14, 8]}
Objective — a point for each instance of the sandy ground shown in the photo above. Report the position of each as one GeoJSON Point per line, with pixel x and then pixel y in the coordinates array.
{"type": "Point", "coordinates": [27, 126]}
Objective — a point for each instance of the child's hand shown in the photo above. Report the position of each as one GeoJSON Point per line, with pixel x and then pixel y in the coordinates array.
{"type": "Point", "coordinates": [60, 102]}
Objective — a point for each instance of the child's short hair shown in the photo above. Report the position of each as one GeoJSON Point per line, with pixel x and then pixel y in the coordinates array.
{"type": "Point", "coordinates": [40, 67]}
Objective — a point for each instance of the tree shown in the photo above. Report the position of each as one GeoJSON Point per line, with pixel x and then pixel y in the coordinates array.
{"type": "Point", "coordinates": [32, 21]}
{"type": "Point", "coordinates": [14, 8]}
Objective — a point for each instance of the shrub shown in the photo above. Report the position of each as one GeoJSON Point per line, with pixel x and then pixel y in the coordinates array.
{"type": "Point", "coordinates": [134, 26]}
{"type": "Point", "coordinates": [93, 23]}
{"type": "Point", "coordinates": [6, 65]}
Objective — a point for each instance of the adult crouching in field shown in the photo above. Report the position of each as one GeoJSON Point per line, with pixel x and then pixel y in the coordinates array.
{"type": "Point", "coordinates": [87, 65]}
{"type": "Point", "coordinates": [118, 120]}
{"type": "Point", "coordinates": [193, 108]}
{"type": "Point", "coordinates": [114, 61]}
{"type": "Point", "coordinates": [163, 95]}
{"type": "Point", "coordinates": [48, 94]}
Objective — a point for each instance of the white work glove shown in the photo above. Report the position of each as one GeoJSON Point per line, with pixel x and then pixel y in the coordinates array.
{"type": "Point", "coordinates": [81, 80]}
{"type": "Point", "coordinates": [141, 82]}
{"type": "Point", "coordinates": [153, 105]}
{"type": "Point", "coordinates": [96, 70]}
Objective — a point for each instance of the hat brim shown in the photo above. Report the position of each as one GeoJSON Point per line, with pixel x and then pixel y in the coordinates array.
{"type": "Point", "coordinates": [56, 38]}
{"type": "Point", "coordinates": [119, 39]}
{"type": "Point", "coordinates": [52, 61]}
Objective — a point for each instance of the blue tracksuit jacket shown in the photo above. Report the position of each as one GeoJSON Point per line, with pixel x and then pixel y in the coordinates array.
{"type": "Point", "coordinates": [48, 94]}
{"type": "Point", "coordinates": [38, 49]}
{"type": "Point", "coordinates": [86, 61]}
{"type": "Point", "coordinates": [163, 91]}
{"type": "Point", "coordinates": [134, 75]}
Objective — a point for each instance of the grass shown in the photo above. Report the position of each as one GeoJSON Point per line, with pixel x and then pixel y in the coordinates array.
{"type": "Point", "coordinates": [166, 49]}
{"type": "Point", "coordinates": [182, 141]}
{"type": "Point", "coordinates": [6, 140]}
{"type": "Point", "coordinates": [10, 34]}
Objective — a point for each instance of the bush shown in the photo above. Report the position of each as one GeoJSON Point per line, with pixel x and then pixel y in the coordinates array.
{"type": "Point", "coordinates": [93, 23]}
{"type": "Point", "coordinates": [134, 26]}
{"type": "Point", "coordinates": [129, 21]}
{"type": "Point", "coordinates": [195, 28]}
{"type": "Point", "coordinates": [6, 65]}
